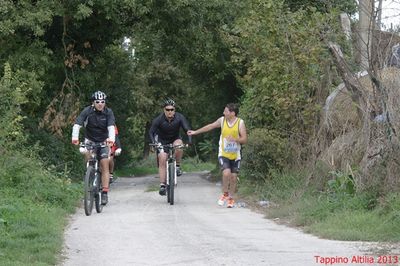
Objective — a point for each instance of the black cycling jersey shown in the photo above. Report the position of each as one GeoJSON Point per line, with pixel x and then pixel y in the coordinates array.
{"type": "Point", "coordinates": [96, 123]}
{"type": "Point", "coordinates": [168, 131]}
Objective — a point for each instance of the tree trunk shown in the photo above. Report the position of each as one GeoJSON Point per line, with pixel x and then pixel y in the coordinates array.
{"type": "Point", "coordinates": [379, 15]}
{"type": "Point", "coordinates": [366, 8]}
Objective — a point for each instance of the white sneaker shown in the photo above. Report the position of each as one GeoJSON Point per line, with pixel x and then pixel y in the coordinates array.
{"type": "Point", "coordinates": [222, 200]}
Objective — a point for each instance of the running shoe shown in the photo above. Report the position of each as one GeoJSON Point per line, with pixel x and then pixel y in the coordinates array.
{"type": "Point", "coordinates": [231, 203]}
{"type": "Point", "coordinates": [222, 200]}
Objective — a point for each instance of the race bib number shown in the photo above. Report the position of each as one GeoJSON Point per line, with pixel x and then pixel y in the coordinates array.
{"type": "Point", "coordinates": [230, 146]}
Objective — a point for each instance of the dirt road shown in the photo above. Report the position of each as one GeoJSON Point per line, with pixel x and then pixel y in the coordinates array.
{"type": "Point", "coordinates": [140, 228]}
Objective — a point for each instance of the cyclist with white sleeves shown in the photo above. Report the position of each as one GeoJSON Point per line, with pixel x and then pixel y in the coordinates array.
{"type": "Point", "coordinates": [99, 122]}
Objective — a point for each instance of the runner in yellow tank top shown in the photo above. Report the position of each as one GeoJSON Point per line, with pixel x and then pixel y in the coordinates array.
{"type": "Point", "coordinates": [233, 134]}
{"type": "Point", "coordinates": [228, 146]}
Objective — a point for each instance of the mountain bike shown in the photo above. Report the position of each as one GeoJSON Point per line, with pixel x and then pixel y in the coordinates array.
{"type": "Point", "coordinates": [92, 181]}
{"type": "Point", "coordinates": [171, 176]}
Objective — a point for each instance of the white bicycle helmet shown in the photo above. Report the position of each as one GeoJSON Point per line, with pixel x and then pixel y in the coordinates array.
{"type": "Point", "coordinates": [99, 95]}
{"type": "Point", "coordinates": [168, 102]}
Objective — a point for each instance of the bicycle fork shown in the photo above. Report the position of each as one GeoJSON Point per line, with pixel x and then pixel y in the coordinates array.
{"type": "Point", "coordinates": [96, 176]}
{"type": "Point", "coordinates": [175, 176]}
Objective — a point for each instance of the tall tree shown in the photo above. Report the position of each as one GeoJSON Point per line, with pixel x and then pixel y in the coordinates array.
{"type": "Point", "coordinates": [366, 27]}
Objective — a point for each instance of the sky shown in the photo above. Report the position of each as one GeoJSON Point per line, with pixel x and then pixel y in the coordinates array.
{"type": "Point", "coordinates": [391, 13]}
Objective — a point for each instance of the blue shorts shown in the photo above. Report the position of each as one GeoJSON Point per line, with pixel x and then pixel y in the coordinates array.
{"type": "Point", "coordinates": [225, 163]}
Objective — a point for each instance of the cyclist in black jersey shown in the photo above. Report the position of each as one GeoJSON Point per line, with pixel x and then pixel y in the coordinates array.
{"type": "Point", "coordinates": [99, 122]}
{"type": "Point", "coordinates": [165, 130]}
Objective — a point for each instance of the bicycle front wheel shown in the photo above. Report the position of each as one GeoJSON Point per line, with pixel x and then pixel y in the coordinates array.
{"type": "Point", "coordinates": [171, 187]}
{"type": "Point", "coordinates": [88, 190]}
{"type": "Point", "coordinates": [97, 196]}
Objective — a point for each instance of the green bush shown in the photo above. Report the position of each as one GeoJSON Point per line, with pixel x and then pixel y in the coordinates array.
{"type": "Point", "coordinates": [30, 179]}
{"type": "Point", "coordinates": [11, 98]}
{"type": "Point", "coordinates": [341, 185]}
{"type": "Point", "coordinates": [265, 150]}
{"type": "Point", "coordinates": [57, 154]}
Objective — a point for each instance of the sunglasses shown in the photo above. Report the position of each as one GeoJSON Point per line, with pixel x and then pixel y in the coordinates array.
{"type": "Point", "coordinates": [100, 101]}
{"type": "Point", "coordinates": [169, 110]}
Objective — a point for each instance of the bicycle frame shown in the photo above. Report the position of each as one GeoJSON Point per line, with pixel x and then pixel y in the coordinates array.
{"type": "Point", "coordinates": [93, 186]}
{"type": "Point", "coordinates": [171, 176]}
{"type": "Point", "coordinates": [171, 163]}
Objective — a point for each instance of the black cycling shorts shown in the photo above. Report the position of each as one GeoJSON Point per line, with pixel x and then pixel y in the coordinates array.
{"type": "Point", "coordinates": [165, 149]}
{"type": "Point", "coordinates": [225, 163]}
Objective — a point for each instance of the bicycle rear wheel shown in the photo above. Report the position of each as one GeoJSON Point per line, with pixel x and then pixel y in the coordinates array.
{"type": "Point", "coordinates": [88, 190]}
{"type": "Point", "coordinates": [97, 196]}
{"type": "Point", "coordinates": [171, 187]}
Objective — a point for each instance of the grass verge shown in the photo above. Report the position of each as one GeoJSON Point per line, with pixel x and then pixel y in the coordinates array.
{"type": "Point", "coordinates": [327, 214]}
{"type": "Point", "coordinates": [33, 210]}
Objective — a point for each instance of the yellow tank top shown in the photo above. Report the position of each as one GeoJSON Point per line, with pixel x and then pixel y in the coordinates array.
{"type": "Point", "coordinates": [229, 149]}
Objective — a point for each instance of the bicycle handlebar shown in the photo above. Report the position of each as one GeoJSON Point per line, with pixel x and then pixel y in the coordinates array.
{"type": "Point", "coordinates": [89, 146]}
{"type": "Point", "coordinates": [93, 144]}
{"type": "Point", "coordinates": [171, 145]}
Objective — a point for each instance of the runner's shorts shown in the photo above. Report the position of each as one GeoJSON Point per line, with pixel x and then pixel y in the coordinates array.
{"type": "Point", "coordinates": [225, 163]}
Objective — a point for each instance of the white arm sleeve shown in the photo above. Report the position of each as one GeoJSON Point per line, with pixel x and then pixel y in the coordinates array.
{"type": "Point", "coordinates": [75, 131]}
{"type": "Point", "coordinates": [111, 133]}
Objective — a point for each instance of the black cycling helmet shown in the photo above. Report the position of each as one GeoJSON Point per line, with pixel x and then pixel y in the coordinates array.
{"type": "Point", "coordinates": [168, 102]}
{"type": "Point", "coordinates": [98, 95]}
